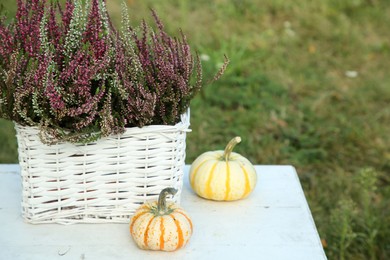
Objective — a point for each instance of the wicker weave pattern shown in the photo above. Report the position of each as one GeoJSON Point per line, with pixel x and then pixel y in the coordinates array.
{"type": "Point", "coordinates": [99, 182]}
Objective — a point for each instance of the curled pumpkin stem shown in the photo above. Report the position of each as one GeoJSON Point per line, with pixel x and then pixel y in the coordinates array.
{"type": "Point", "coordinates": [162, 200]}
{"type": "Point", "coordinates": [230, 146]}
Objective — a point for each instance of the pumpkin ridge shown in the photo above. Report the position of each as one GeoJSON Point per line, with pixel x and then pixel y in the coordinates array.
{"type": "Point", "coordinates": [195, 172]}
{"type": "Point", "coordinates": [179, 233]}
{"type": "Point", "coordinates": [134, 219]}
{"type": "Point", "coordinates": [162, 229]}
{"type": "Point", "coordinates": [146, 234]}
{"type": "Point", "coordinates": [188, 219]}
{"type": "Point", "coordinates": [208, 190]}
{"type": "Point", "coordinates": [247, 185]}
{"type": "Point", "coordinates": [227, 193]}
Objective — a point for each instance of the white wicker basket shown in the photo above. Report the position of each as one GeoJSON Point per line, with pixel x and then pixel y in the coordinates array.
{"type": "Point", "coordinates": [100, 182]}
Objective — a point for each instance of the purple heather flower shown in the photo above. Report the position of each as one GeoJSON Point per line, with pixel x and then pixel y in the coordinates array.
{"type": "Point", "coordinates": [67, 68]}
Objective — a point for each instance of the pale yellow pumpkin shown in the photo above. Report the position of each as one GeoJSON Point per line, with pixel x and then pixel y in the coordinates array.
{"type": "Point", "coordinates": [161, 226]}
{"type": "Point", "coordinates": [223, 175]}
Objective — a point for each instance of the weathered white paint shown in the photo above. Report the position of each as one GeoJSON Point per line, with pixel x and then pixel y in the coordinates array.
{"type": "Point", "coordinates": [274, 222]}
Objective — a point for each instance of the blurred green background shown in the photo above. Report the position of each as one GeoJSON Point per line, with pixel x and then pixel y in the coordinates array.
{"type": "Point", "coordinates": [308, 85]}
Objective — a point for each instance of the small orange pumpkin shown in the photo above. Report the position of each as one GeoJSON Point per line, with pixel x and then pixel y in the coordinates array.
{"type": "Point", "coordinates": [158, 226]}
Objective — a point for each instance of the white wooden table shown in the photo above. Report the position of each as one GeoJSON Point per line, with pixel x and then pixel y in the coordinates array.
{"type": "Point", "coordinates": [274, 222]}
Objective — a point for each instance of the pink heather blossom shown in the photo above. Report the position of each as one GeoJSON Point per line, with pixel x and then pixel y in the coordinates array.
{"type": "Point", "coordinates": [67, 14]}
{"type": "Point", "coordinates": [94, 31]}
{"type": "Point", "coordinates": [6, 42]}
{"type": "Point", "coordinates": [78, 78]}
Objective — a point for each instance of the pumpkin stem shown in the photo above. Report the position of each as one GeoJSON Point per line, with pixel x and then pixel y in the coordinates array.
{"type": "Point", "coordinates": [230, 146]}
{"type": "Point", "coordinates": [162, 200]}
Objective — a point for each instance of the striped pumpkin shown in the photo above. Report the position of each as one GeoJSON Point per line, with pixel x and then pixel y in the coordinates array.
{"type": "Point", "coordinates": [158, 226]}
{"type": "Point", "coordinates": [223, 175]}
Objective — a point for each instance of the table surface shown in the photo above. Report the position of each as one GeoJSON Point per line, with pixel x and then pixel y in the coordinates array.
{"type": "Point", "coordinates": [274, 222]}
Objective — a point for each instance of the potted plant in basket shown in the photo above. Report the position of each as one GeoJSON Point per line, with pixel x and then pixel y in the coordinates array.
{"type": "Point", "coordinates": [100, 113]}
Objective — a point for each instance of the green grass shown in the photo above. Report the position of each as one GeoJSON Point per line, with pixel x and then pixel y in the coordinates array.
{"type": "Point", "coordinates": [286, 93]}
{"type": "Point", "coordinates": [8, 146]}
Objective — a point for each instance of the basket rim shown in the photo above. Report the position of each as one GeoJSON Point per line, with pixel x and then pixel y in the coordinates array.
{"type": "Point", "coordinates": [183, 125]}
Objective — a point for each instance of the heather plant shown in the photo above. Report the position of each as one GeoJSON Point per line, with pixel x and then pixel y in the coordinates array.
{"type": "Point", "coordinates": [67, 70]}
{"type": "Point", "coordinates": [163, 70]}
{"type": "Point", "coordinates": [166, 66]}
{"type": "Point", "coordinates": [55, 67]}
